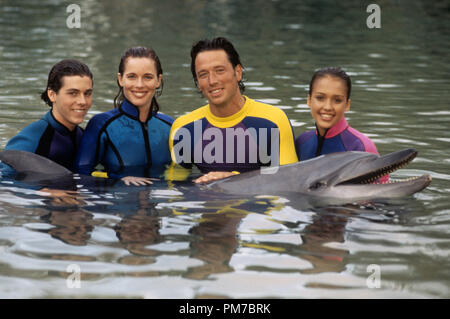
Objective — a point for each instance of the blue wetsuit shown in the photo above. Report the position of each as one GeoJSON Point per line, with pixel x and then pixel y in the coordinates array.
{"type": "Point", "coordinates": [124, 145]}
{"type": "Point", "coordinates": [49, 138]}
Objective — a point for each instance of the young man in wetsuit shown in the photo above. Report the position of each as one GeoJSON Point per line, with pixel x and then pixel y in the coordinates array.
{"type": "Point", "coordinates": [232, 133]}
{"type": "Point", "coordinates": [57, 135]}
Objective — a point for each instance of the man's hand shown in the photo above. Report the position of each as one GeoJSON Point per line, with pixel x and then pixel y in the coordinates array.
{"type": "Point", "coordinates": [213, 176]}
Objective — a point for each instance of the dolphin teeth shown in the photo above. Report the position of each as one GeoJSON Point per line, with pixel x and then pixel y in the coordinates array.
{"type": "Point", "coordinates": [393, 181]}
{"type": "Point", "coordinates": [374, 177]}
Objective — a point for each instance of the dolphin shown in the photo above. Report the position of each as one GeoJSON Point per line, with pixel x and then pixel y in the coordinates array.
{"type": "Point", "coordinates": [31, 167]}
{"type": "Point", "coordinates": [347, 176]}
{"type": "Point", "coordinates": [35, 169]}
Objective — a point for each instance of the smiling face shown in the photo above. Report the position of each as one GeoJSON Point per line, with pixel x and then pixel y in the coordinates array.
{"type": "Point", "coordinates": [139, 81]}
{"type": "Point", "coordinates": [328, 102]}
{"type": "Point", "coordinates": [73, 100]}
{"type": "Point", "coordinates": [217, 78]}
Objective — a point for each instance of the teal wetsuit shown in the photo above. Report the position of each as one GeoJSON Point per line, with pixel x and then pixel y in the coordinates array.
{"type": "Point", "coordinates": [123, 145]}
{"type": "Point", "coordinates": [49, 138]}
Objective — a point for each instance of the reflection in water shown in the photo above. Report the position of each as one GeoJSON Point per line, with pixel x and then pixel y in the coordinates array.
{"type": "Point", "coordinates": [328, 226]}
{"type": "Point", "coordinates": [62, 198]}
{"type": "Point", "coordinates": [209, 232]}
{"type": "Point", "coordinates": [216, 237]}
{"type": "Point", "coordinates": [140, 223]}
{"type": "Point", "coordinates": [117, 227]}
{"type": "Point", "coordinates": [138, 230]}
{"type": "Point", "coordinates": [213, 239]}
{"type": "Point", "coordinates": [72, 226]}
{"type": "Point", "coordinates": [214, 242]}
{"type": "Point", "coordinates": [273, 232]}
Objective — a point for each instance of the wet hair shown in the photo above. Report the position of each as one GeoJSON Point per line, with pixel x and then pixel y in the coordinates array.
{"type": "Point", "coordinates": [63, 68]}
{"type": "Point", "coordinates": [140, 52]}
{"type": "Point", "coordinates": [219, 43]}
{"type": "Point", "coordinates": [336, 72]}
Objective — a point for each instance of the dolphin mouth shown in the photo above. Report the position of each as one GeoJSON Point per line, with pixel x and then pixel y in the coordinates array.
{"type": "Point", "coordinates": [374, 176]}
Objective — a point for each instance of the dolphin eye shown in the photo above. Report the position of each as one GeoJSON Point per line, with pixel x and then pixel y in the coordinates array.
{"type": "Point", "coordinates": [317, 185]}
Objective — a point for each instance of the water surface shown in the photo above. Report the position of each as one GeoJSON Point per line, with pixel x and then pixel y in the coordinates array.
{"type": "Point", "coordinates": [171, 240]}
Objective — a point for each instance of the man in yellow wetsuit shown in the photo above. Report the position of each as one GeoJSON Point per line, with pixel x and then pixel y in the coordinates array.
{"type": "Point", "coordinates": [233, 133]}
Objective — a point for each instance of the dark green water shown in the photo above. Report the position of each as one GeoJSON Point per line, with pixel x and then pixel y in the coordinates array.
{"type": "Point", "coordinates": [166, 241]}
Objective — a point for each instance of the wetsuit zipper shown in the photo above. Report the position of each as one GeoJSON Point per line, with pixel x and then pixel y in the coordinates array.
{"type": "Point", "coordinates": [320, 140]}
{"type": "Point", "coordinates": [147, 144]}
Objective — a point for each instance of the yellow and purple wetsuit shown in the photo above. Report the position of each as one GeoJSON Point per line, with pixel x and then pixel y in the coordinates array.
{"type": "Point", "coordinates": [257, 135]}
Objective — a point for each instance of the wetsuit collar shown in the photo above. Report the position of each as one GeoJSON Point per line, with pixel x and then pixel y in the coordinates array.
{"type": "Point", "coordinates": [131, 110]}
{"type": "Point", "coordinates": [337, 129]}
{"type": "Point", "coordinates": [57, 125]}
{"type": "Point", "coordinates": [231, 120]}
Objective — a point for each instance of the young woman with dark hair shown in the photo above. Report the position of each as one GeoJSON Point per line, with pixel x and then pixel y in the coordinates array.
{"type": "Point", "coordinates": [329, 99]}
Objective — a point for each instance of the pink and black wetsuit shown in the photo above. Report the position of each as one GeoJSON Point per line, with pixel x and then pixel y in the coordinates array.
{"type": "Point", "coordinates": [339, 138]}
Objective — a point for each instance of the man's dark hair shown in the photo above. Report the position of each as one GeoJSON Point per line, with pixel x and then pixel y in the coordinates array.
{"type": "Point", "coordinates": [219, 43]}
{"type": "Point", "coordinates": [63, 68]}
